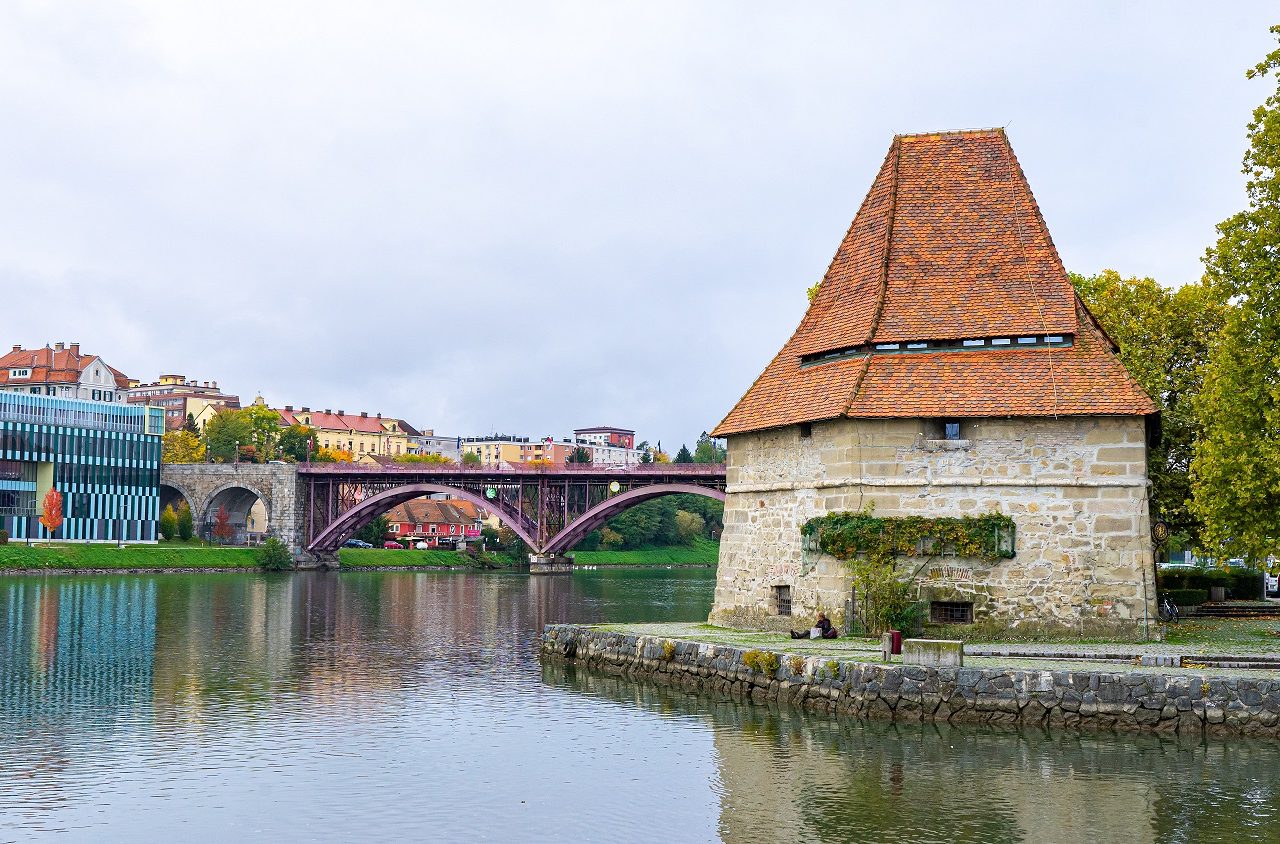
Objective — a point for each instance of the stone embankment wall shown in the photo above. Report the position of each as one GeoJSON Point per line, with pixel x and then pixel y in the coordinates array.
{"type": "Point", "coordinates": [1137, 701]}
{"type": "Point", "coordinates": [1076, 488]}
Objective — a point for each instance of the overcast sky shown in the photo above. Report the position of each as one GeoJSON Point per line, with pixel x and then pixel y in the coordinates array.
{"type": "Point", "coordinates": [530, 217]}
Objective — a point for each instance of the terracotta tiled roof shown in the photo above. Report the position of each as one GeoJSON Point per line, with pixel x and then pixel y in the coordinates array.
{"type": "Point", "coordinates": [54, 366]}
{"type": "Point", "coordinates": [431, 511]}
{"type": "Point", "coordinates": [332, 421]}
{"type": "Point", "coordinates": [949, 244]}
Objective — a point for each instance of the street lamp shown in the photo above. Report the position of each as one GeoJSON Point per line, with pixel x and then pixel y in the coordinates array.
{"type": "Point", "coordinates": [237, 451]}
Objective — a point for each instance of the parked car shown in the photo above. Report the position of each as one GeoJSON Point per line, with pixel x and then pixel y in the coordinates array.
{"type": "Point", "coordinates": [356, 543]}
{"type": "Point", "coordinates": [394, 546]}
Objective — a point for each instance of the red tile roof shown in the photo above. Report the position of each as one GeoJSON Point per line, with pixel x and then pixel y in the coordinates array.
{"type": "Point", "coordinates": [433, 511]}
{"type": "Point", "coordinates": [54, 366]}
{"type": "Point", "coordinates": [333, 421]}
{"type": "Point", "coordinates": [949, 244]}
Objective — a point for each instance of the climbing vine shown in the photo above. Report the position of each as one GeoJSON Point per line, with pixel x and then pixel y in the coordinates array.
{"type": "Point", "coordinates": [873, 545]}
{"type": "Point", "coordinates": [879, 539]}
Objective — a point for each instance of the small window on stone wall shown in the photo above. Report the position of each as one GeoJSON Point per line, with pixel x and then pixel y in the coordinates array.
{"type": "Point", "coordinates": [951, 612]}
{"type": "Point", "coordinates": [782, 599]}
{"type": "Point", "coordinates": [806, 429]}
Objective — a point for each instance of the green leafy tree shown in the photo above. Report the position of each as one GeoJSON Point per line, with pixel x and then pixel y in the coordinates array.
{"type": "Point", "coordinates": [708, 450]}
{"type": "Point", "coordinates": [265, 430]}
{"type": "Point", "coordinates": [689, 526]}
{"type": "Point", "coordinates": [1236, 470]}
{"type": "Point", "coordinates": [294, 441]}
{"type": "Point", "coordinates": [181, 446]}
{"type": "Point", "coordinates": [168, 523]}
{"type": "Point", "coordinates": [470, 459]}
{"type": "Point", "coordinates": [579, 455]}
{"type": "Point", "coordinates": [375, 532]}
{"type": "Point", "coordinates": [186, 525]}
{"type": "Point", "coordinates": [425, 459]}
{"type": "Point", "coordinates": [683, 455]}
{"type": "Point", "coordinates": [189, 425]}
{"type": "Point", "coordinates": [1164, 337]}
{"type": "Point", "coordinates": [274, 556]}
{"type": "Point", "coordinates": [223, 432]}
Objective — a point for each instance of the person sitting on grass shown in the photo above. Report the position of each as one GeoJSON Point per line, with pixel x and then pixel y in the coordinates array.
{"type": "Point", "coordinates": [824, 627]}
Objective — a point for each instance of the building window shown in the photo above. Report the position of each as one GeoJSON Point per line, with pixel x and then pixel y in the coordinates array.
{"type": "Point", "coordinates": [951, 429]}
{"type": "Point", "coordinates": [19, 373]}
{"type": "Point", "coordinates": [433, 528]}
{"type": "Point", "coordinates": [395, 527]}
{"type": "Point", "coordinates": [782, 599]}
{"type": "Point", "coordinates": [806, 430]}
{"type": "Point", "coordinates": [951, 612]}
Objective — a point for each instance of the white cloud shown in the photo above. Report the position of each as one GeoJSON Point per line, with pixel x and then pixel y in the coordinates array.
{"type": "Point", "coordinates": [532, 216]}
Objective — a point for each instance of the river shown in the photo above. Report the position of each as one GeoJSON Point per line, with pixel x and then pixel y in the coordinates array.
{"type": "Point", "coordinates": [404, 706]}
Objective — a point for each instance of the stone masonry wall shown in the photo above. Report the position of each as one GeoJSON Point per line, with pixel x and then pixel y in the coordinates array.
{"type": "Point", "coordinates": [275, 484]}
{"type": "Point", "coordinates": [1076, 488]}
{"type": "Point", "coordinates": [1138, 701]}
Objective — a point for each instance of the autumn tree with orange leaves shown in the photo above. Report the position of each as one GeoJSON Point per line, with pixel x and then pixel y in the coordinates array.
{"type": "Point", "coordinates": [52, 516]}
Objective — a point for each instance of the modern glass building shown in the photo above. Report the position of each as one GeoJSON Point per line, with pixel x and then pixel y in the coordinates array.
{"type": "Point", "coordinates": [103, 458]}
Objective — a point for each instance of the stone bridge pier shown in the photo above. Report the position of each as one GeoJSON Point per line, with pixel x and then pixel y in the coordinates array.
{"type": "Point", "coordinates": [237, 486]}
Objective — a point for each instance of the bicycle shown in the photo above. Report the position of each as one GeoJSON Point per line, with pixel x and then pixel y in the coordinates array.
{"type": "Point", "coordinates": [1168, 610]}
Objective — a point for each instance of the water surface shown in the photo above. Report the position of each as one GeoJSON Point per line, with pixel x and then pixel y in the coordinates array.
{"type": "Point", "coordinates": [411, 706]}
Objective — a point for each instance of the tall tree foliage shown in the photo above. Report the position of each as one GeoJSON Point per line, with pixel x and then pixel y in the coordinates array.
{"type": "Point", "coordinates": [709, 450]}
{"type": "Point", "coordinates": [298, 442]}
{"type": "Point", "coordinates": [1164, 337]}
{"type": "Point", "coordinates": [223, 431]}
{"type": "Point", "coordinates": [51, 518]}
{"type": "Point", "coordinates": [684, 455]}
{"type": "Point", "coordinates": [181, 446]}
{"type": "Point", "coordinates": [1236, 470]}
{"type": "Point", "coordinates": [375, 532]}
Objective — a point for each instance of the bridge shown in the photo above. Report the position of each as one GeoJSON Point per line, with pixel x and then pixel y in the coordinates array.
{"type": "Point", "coordinates": [315, 507]}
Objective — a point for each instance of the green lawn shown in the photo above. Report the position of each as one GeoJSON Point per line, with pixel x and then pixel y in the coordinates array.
{"type": "Point", "coordinates": [105, 556]}
{"type": "Point", "coordinates": [702, 552]}
{"type": "Point", "coordinates": [389, 558]}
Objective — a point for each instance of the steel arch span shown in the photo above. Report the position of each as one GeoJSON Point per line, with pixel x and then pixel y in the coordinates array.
{"type": "Point", "coordinates": [574, 533]}
{"type": "Point", "coordinates": [550, 509]}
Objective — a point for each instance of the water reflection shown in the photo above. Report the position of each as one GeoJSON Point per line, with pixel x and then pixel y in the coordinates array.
{"type": "Point", "coordinates": [824, 780]}
{"type": "Point", "coordinates": [379, 706]}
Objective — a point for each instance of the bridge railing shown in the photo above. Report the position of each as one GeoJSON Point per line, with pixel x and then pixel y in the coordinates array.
{"type": "Point", "coordinates": [643, 469]}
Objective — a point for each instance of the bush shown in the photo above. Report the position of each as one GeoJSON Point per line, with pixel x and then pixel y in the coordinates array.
{"type": "Point", "coordinates": [1241, 585]}
{"type": "Point", "coordinates": [4, 537]}
{"type": "Point", "coordinates": [1187, 597]}
{"type": "Point", "coordinates": [186, 527]}
{"type": "Point", "coordinates": [762, 662]}
{"type": "Point", "coordinates": [168, 523]}
{"type": "Point", "coordinates": [274, 556]}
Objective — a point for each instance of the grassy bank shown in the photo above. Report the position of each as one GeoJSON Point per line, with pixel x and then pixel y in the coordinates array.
{"type": "Point", "coordinates": [105, 556]}
{"type": "Point", "coordinates": [702, 552]}
{"type": "Point", "coordinates": [386, 558]}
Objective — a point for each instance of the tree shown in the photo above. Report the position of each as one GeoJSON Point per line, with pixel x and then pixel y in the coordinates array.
{"type": "Point", "coordinates": [51, 518]}
{"type": "Point", "coordinates": [1236, 469]}
{"type": "Point", "coordinates": [264, 426]}
{"type": "Point", "coordinates": [579, 455]}
{"type": "Point", "coordinates": [683, 455]}
{"type": "Point", "coordinates": [660, 456]}
{"type": "Point", "coordinates": [294, 441]}
{"type": "Point", "coordinates": [333, 455]}
{"type": "Point", "coordinates": [610, 540]}
{"type": "Point", "coordinates": [274, 556]}
{"type": "Point", "coordinates": [189, 425]}
{"type": "Point", "coordinates": [181, 446]}
{"type": "Point", "coordinates": [168, 523]}
{"type": "Point", "coordinates": [223, 432]}
{"type": "Point", "coordinates": [709, 450]}
{"type": "Point", "coordinates": [470, 459]}
{"type": "Point", "coordinates": [646, 456]}
{"type": "Point", "coordinates": [689, 526]}
{"type": "Point", "coordinates": [375, 532]}
{"type": "Point", "coordinates": [186, 525]}
{"type": "Point", "coordinates": [1164, 337]}
{"type": "Point", "coordinates": [427, 459]}
{"type": "Point", "coordinates": [222, 529]}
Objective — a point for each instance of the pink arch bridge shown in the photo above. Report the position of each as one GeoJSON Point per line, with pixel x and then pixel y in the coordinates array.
{"type": "Point", "coordinates": [551, 509]}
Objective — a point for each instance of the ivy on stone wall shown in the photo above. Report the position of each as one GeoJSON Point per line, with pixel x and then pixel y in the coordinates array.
{"type": "Point", "coordinates": [881, 539]}
{"type": "Point", "coordinates": [872, 546]}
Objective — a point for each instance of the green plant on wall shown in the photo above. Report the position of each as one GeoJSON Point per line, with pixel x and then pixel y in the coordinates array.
{"type": "Point", "coordinates": [874, 546]}
{"type": "Point", "coordinates": [762, 662]}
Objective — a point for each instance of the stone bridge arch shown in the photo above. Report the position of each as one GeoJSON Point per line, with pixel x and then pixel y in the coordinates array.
{"type": "Point", "coordinates": [204, 485]}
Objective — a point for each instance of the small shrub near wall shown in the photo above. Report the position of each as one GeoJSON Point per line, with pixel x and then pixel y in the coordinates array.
{"type": "Point", "coordinates": [4, 537]}
{"type": "Point", "coordinates": [274, 556]}
{"type": "Point", "coordinates": [1188, 597]}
